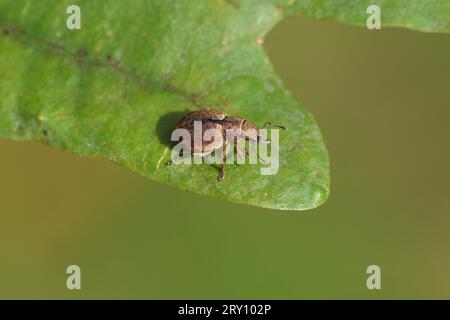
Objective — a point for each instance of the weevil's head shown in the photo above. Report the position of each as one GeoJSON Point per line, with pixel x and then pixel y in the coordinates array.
{"type": "Point", "coordinates": [249, 131]}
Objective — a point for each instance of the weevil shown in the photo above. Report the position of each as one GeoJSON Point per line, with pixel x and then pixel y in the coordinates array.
{"type": "Point", "coordinates": [214, 119]}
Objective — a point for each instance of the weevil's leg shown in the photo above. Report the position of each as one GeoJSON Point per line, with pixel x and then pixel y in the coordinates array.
{"type": "Point", "coordinates": [176, 160]}
{"type": "Point", "coordinates": [240, 153]}
{"type": "Point", "coordinates": [171, 162]}
{"type": "Point", "coordinates": [262, 160]}
{"type": "Point", "coordinates": [222, 172]}
{"type": "Point", "coordinates": [222, 165]}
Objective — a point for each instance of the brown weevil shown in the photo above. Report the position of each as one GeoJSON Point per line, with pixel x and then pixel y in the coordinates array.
{"type": "Point", "coordinates": [218, 120]}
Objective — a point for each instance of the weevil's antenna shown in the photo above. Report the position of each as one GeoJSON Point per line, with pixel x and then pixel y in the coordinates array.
{"type": "Point", "coordinates": [273, 125]}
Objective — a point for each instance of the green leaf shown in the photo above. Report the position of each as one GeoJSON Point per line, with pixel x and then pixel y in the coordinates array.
{"type": "Point", "coordinates": [116, 88]}
{"type": "Point", "coordinates": [424, 15]}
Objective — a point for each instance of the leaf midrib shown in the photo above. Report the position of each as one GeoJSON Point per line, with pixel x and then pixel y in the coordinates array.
{"type": "Point", "coordinates": [83, 57]}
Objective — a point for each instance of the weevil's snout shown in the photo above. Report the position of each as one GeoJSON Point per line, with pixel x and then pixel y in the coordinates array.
{"type": "Point", "coordinates": [263, 141]}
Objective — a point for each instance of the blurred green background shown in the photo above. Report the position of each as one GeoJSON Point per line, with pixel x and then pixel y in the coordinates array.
{"type": "Point", "coordinates": [382, 100]}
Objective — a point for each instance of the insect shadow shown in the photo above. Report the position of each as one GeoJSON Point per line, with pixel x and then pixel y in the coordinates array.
{"type": "Point", "coordinates": [166, 124]}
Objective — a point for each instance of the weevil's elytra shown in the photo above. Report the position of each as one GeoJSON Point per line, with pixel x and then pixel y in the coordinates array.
{"type": "Point", "coordinates": [214, 119]}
